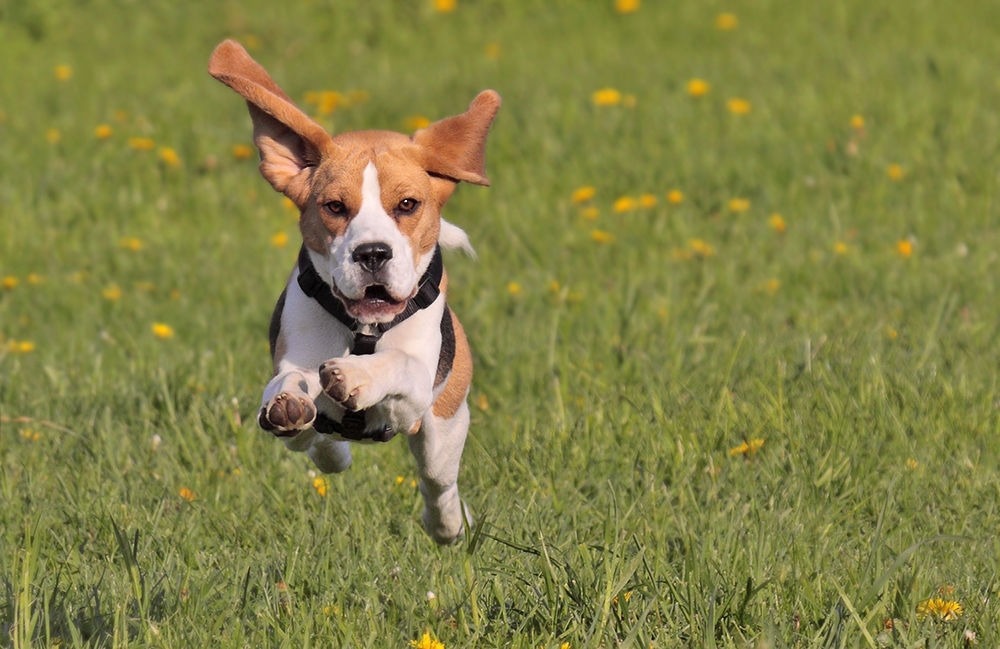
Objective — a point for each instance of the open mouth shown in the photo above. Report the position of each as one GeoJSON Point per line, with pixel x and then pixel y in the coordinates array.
{"type": "Point", "coordinates": [377, 305]}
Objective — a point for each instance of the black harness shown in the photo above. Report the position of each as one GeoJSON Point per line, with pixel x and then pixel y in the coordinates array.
{"type": "Point", "coordinates": [366, 337]}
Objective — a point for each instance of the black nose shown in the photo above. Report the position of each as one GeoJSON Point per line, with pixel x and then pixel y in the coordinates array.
{"type": "Point", "coordinates": [372, 256]}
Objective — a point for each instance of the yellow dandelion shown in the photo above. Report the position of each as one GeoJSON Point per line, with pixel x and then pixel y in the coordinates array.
{"type": "Point", "coordinates": [624, 204]}
{"type": "Point", "coordinates": [63, 72]}
{"type": "Point", "coordinates": [289, 204]}
{"type": "Point", "coordinates": [629, 101]}
{"type": "Point", "coordinates": [23, 347]}
{"type": "Point", "coordinates": [567, 645]}
{"type": "Point", "coordinates": [698, 87]}
{"type": "Point", "coordinates": [483, 403]}
{"type": "Point", "coordinates": [895, 172]}
{"type": "Point", "coordinates": [35, 280]}
{"type": "Point", "coordinates": [321, 485]}
{"type": "Point", "coordinates": [726, 22]}
{"type": "Point", "coordinates": [242, 152]}
{"type": "Point", "coordinates": [10, 282]}
{"type": "Point", "coordinates": [912, 464]}
{"type": "Point", "coordinates": [329, 100]}
{"type": "Point", "coordinates": [590, 213]}
{"type": "Point", "coordinates": [53, 135]}
{"type": "Point", "coordinates": [186, 494]}
{"type": "Point", "coordinates": [627, 6]}
{"type": "Point", "coordinates": [279, 240]}
{"type": "Point", "coordinates": [130, 243]}
{"type": "Point", "coordinates": [103, 131]}
{"type": "Point", "coordinates": [737, 205]}
{"type": "Point", "coordinates": [748, 448]}
{"type": "Point", "coordinates": [700, 248]}
{"type": "Point", "coordinates": [840, 248]}
{"type": "Point", "coordinates": [772, 286]}
{"type": "Point", "coordinates": [514, 288]}
{"type": "Point", "coordinates": [416, 122]}
{"type": "Point", "coordinates": [492, 51]}
{"type": "Point", "coordinates": [675, 197]}
{"type": "Point", "coordinates": [602, 236]}
{"type": "Point", "coordinates": [445, 6]}
{"type": "Point", "coordinates": [169, 157]}
{"type": "Point", "coordinates": [940, 610]}
{"type": "Point", "coordinates": [647, 201]}
{"type": "Point", "coordinates": [583, 194]}
{"type": "Point", "coordinates": [904, 248]}
{"type": "Point", "coordinates": [554, 285]}
{"type": "Point", "coordinates": [426, 642]}
{"type": "Point", "coordinates": [606, 97]}
{"type": "Point", "coordinates": [738, 106]}
{"type": "Point", "coordinates": [112, 293]}
{"type": "Point", "coordinates": [777, 222]}
{"type": "Point", "coordinates": [31, 435]}
{"type": "Point", "coordinates": [400, 479]}
{"type": "Point", "coordinates": [857, 122]}
{"type": "Point", "coordinates": [162, 331]}
{"type": "Point", "coordinates": [142, 143]}
{"type": "Point", "coordinates": [891, 333]}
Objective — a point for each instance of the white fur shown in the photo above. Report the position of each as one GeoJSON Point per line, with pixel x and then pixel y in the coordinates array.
{"type": "Point", "coordinates": [455, 238]}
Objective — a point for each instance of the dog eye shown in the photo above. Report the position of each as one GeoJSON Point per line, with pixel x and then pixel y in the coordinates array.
{"type": "Point", "coordinates": [336, 207]}
{"type": "Point", "coordinates": [407, 205]}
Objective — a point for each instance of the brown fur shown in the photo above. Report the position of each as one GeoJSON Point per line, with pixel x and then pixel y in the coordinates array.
{"type": "Point", "coordinates": [456, 388]}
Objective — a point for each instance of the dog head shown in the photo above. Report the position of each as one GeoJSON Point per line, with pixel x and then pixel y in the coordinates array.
{"type": "Point", "coordinates": [370, 201]}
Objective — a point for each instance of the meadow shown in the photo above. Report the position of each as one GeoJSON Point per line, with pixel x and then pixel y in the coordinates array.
{"type": "Point", "coordinates": [734, 322]}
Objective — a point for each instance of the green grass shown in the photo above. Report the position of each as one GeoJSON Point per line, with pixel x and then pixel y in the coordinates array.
{"type": "Point", "coordinates": [610, 511]}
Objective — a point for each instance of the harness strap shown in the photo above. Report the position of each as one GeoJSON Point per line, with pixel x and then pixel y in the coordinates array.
{"type": "Point", "coordinates": [352, 425]}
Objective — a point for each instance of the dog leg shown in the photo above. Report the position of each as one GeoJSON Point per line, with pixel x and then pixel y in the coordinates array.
{"type": "Point", "coordinates": [438, 450]}
{"type": "Point", "coordinates": [359, 382]}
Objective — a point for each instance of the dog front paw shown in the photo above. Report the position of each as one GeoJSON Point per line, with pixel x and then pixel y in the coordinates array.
{"type": "Point", "coordinates": [286, 414]}
{"type": "Point", "coordinates": [348, 383]}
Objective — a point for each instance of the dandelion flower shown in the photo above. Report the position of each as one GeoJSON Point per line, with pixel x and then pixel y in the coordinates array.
{"type": "Point", "coordinates": [738, 106]}
{"type": "Point", "coordinates": [840, 248]}
{"type": "Point", "coordinates": [329, 100]}
{"type": "Point", "coordinates": [777, 222]}
{"type": "Point", "coordinates": [647, 201]}
{"type": "Point", "coordinates": [163, 331]}
{"type": "Point", "coordinates": [34, 279]}
{"type": "Point", "coordinates": [772, 286]}
{"type": "Point", "coordinates": [675, 197]}
{"type": "Point", "coordinates": [112, 293]}
{"type": "Point", "coordinates": [10, 282]}
{"type": "Point", "coordinates": [698, 87]}
{"type": "Point", "coordinates": [483, 403]}
{"type": "Point", "coordinates": [426, 642]}
{"type": "Point", "coordinates": [601, 236]}
{"type": "Point", "coordinates": [142, 143]}
{"type": "Point", "coordinates": [857, 122]}
{"type": "Point", "coordinates": [416, 122]}
{"type": "Point", "coordinates": [103, 132]}
{"type": "Point", "coordinates": [904, 248]}
{"type": "Point", "coordinates": [445, 6]}
{"type": "Point", "coordinates": [606, 97]}
{"type": "Point", "coordinates": [279, 240]}
{"type": "Point", "coordinates": [700, 248]}
{"type": "Point", "coordinates": [321, 485]}
{"type": "Point", "coordinates": [583, 194]}
{"type": "Point", "coordinates": [63, 72]}
{"type": "Point", "coordinates": [289, 204]}
{"type": "Point", "coordinates": [895, 172]}
{"type": "Point", "coordinates": [130, 243]}
{"type": "Point", "coordinates": [726, 22]}
{"type": "Point", "coordinates": [748, 448]}
{"type": "Point", "coordinates": [53, 135]}
{"type": "Point", "coordinates": [938, 609]}
{"type": "Point", "coordinates": [590, 213]}
{"type": "Point", "coordinates": [624, 204]}
{"type": "Point", "coordinates": [892, 334]}
{"type": "Point", "coordinates": [242, 152]}
{"type": "Point", "coordinates": [31, 435]}
{"type": "Point", "coordinates": [186, 494]}
{"type": "Point", "coordinates": [912, 464]}
{"type": "Point", "coordinates": [737, 205]}
{"type": "Point", "coordinates": [23, 347]}
{"type": "Point", "coordinates": [492, 51]}
{"type": "Point", "coordinates": [627, 6]}
{"type": "Point", "coordinates": [400, 479]}
{"type": "Point", "coordinates": [514, 288]}
{"type": "Point", "coordinates": [554, 285]}
{"type": "Point", "coordinates": [169, 157]}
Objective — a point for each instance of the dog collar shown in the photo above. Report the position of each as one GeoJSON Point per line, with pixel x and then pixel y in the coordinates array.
{"type": "Point", "coordinates": [365, 337]}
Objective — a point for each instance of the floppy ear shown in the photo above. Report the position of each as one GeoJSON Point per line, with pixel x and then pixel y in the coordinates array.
{"type": "Point", "coordinates": [455, 147]}
{"type": "Point", "coordinates": [289, 142]}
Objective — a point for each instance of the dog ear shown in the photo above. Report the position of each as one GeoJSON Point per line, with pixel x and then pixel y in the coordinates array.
{"type": "Point", "coordinates": [289, 142]}
{"type": "Point", "coordinates": [455, 147]}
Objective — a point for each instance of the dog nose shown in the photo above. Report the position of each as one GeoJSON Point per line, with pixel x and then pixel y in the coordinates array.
{"type": "Point", "coordinates": [372, 256]}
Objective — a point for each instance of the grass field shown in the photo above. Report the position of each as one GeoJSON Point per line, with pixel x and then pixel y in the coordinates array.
{"type": "Point", "coordinates": [754, 405]}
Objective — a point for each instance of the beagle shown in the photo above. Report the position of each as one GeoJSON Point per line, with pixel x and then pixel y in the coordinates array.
{"type": "Point", "coordinates": [363, 343]}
